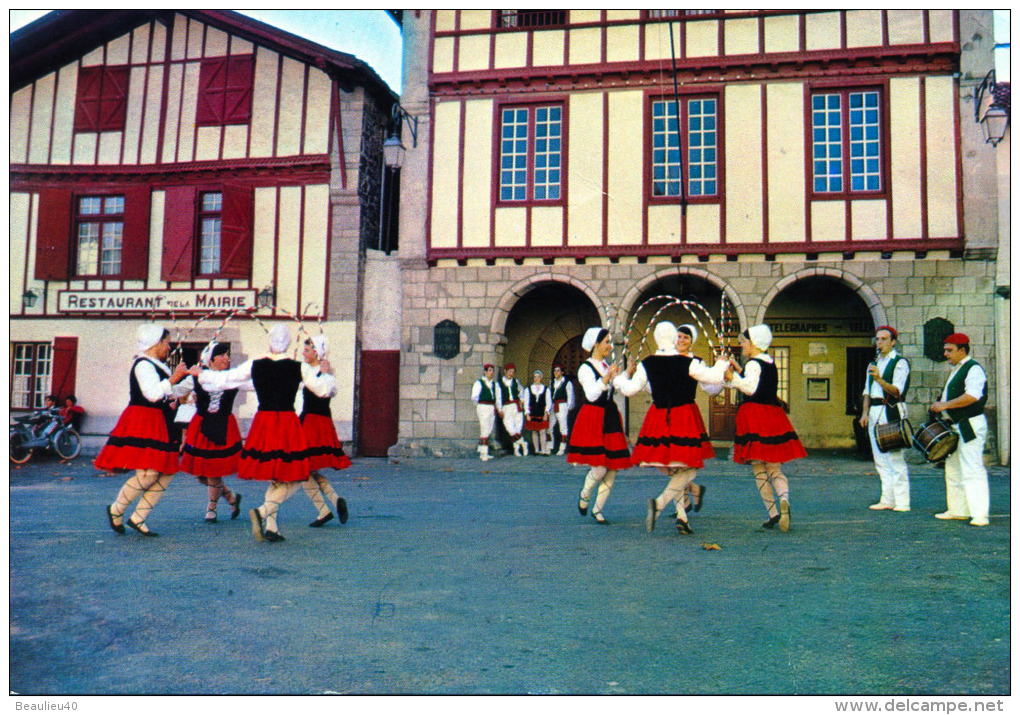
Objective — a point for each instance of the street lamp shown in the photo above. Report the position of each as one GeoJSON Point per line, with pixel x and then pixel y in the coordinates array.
{"type": "Point", "coordinates": [393, 152]}
{"type": "Point", "coordinates": [266, 298]}
{"type": "Point", "coordinates": [29, 297]}
{"type": "Point", "coordinates": [995, 119]}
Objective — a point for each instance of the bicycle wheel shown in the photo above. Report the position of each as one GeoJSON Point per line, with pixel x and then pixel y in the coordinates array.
{"type": "Point", "coordinates": [19, 452]}
{"type": "Point", "coordinates": [67, 444]}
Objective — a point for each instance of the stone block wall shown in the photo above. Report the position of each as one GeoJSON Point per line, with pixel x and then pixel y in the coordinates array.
{"type": "Point", "coordinates": [436, 412]}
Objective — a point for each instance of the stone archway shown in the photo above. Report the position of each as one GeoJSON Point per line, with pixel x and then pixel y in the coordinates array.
{"type": "Point", "coordinates": [866, 293]}
{"type": "Point", "coordinates": [822, 322]}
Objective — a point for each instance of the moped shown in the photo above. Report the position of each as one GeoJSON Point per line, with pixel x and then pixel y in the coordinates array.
{"type": "Point", "coordinates": [42, 429]}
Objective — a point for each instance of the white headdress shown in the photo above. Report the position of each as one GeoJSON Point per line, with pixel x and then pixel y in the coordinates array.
{"type": "Point", "coordinates": [148, 335]}
{"type": "Point", "coordinates": [761, 336]}
{"type": "Point", "coordinates": [279, 338]}
{"type": "Point", "coordinates": [319, 343]}
{"type": "Point", "coordinates": [591, 336]}
{"type": "Point", "coordinates": [207, 353]}
{"type": "Point", "coordinates": [690, 330]}
{"type": "Point", "coordinates": [665, 335]}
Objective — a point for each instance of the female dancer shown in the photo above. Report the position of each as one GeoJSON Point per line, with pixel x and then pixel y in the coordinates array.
{"type": "Point", "coordinates": [673, 436]}
{"type": "Point", "coordinates": [141, 439]}
{"type": "Point", "coordinates": [597, 439]}
{"type": "Point", "coordinates": [764, 435]}
{"type": "Point", "coordinates": [212, 445]}
{"type": "Point", "coordinates": [275, 449]}
{"type": "Point", "coordinates": [324, 448]}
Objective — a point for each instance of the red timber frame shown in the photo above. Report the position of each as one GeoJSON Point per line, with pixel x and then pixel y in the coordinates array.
{"type": "Point", "coordinates": [843, 67]}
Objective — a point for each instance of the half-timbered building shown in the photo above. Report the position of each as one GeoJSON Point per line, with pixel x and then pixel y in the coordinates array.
{"type": "Point", "coordinates": [818, 171]}
{"type": "Point", "coordinates": [179, 166]}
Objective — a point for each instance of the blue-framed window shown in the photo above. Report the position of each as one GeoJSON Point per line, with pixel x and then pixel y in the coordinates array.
{"type": "Point", "coordinates": [700, 118]}
{"type": "Point", "coordinates": [531, 153]}
{"type": "Point", "coordinates": [846, 133]}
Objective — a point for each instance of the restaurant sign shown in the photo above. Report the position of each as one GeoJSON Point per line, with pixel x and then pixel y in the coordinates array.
{"type": "Point", "coordinates": [152, 301]}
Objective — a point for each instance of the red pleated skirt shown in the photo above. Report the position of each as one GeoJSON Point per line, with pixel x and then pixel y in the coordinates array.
{"type": "Point", "coordinates": [139, 441]}
{"type": "Point", "coordinates": [764, 433]}
{"type": "Point", "coordinates": [274, 449]}
{"type": "Point", "coordinates": [672, 438]}
{"type": "Point", "coordinates": [536, 425]}
{"type": "Point", "coordinates": [207, 459]}
{"type": "Point", "coordinates": [324, 447]}
{"type": "Point", "coordinates": [595, 444]}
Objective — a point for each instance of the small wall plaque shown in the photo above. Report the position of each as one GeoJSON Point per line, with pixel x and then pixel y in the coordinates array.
{"type": "Point", "coordinates": [935, 331]}
{"type": "Point", "coordinates": [446, 339]}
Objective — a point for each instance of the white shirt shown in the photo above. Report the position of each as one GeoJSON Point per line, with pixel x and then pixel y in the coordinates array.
{"type": "Point", "coordinates": [698, 370]}
{"type": "Point", "coordinates": [476, 391]}
{"type": "Point", "coordinates": [154, 386]}
{"type": "Point", "coordinates": [899, 380]}
{"type": "Point", "coordinates": [318, 384]}
{"type": "Point", "coordinates": [569, 390]}
{"type": "Point", "coordinates": [533, 392]}
{"type": "Point", "coordinates": [591, 383]}
{"type": "Point", "coordinates": [748, 382]}
{"type": "Point", "coordinates": [974, 384]}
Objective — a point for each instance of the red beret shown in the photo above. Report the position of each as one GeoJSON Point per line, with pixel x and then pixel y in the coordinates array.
{"type": "Point", "coordinates": [891, 329]}
{"type": "Point", "coordinates": [509, 366]}
{"type": "Point", "coordinates": [488, 366]}
{"type": "Point", "coordinates": [956, 339]}
{"type": "Point", "coordinates": [557, 365]}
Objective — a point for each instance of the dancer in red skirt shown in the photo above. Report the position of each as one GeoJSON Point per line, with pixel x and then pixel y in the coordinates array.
{"type": "Point", "coordinates": [212, 445]}
{"type": "Point", "coordinates": [597, 439]}
{"type": "Point", "coordinates": [275, 449]}
{"type": "Point", "coordinates": [141, 439]}
{"type": "Point", "coordinates": [324, 448]}
{"type": "Point", "coordinates": [673, 436]}
{"type": "Point", "coordinates": [537, 406]}
{"type": "Point", "coordinates": [764, 435]}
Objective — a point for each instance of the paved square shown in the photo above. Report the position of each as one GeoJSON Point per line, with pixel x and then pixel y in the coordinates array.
{"type": "Point", "coordinates": [455, 576]}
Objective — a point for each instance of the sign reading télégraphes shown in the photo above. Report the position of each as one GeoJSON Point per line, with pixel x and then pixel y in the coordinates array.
{"type": "Point", "coordinates": [148, 301]}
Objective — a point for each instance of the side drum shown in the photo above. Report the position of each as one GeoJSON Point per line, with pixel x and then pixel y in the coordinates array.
{"type": "Point", "coordinates": [890, 436]}
{"type": "Point", "coordinates": [936, 441]}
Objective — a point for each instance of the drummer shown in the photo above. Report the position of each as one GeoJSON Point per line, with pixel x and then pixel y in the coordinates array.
{"type": "Point", "coordinates": [885, 392]}
{"type": "Point", "coordinates": [963, 401]}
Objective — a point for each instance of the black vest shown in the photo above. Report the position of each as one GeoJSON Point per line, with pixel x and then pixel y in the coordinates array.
{"type": "Point", "coordinates": [140, 400]}
{"type": "Point", "coordinates": [315, 405]}
{"type": "Point", "coordinates": [669, 376]}
{"type": "Point", "coordinates": [768, 385]}
{"type": "Point", "coordinates": [537, 404]}
{"type": "Point", "coordinates": [214, 424]}
{"type": "Point", "coordinates": [276, 383]}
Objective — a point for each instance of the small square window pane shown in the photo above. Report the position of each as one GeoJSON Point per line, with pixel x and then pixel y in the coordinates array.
{"type": "Point", "coordinates": [89, 205]}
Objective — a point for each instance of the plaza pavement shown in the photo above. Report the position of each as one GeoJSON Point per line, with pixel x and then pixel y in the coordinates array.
{"type": "Point", "coordinates": [456, 576]}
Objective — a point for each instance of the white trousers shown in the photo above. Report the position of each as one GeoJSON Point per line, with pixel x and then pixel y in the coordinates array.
{"type": "Point", "coordinates": [891, 466]}
{"type": "Point", "coordinates": [560, 413]}
{"type": "Point", "coordinates": [513, 419]}
{"type": "Point", "coordinates": [966, 476]}
{"type": "Point", "coordinates": [486, 420]}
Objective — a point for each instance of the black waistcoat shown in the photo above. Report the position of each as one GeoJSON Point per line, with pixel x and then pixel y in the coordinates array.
{"type": "Point", "coordinates": [276, 383]}
{"type": "Point", "coordinates": [315, 405]}
{"type": "Point", "coordinates": [669, 376]}
{"type": "Point", "coordinates": [214, 424]}
{"type": "Point", "coordinates": [768, 385]}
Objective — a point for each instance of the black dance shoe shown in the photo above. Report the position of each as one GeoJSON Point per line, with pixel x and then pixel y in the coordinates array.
{"type": "Point", "coordinates": [258, 529]}
{"type": "Point", "coordinates": [341, 510]}
{"type": "Point", "coordinates": [274, 536]}
{"type": "Point", "coordinates": [138, 527]}
{"type": "Point", "coordinates": [119, 528]}
{"type": "Point", "coordinates": [235, 508]}
{"type": "Point", "coordinates": [699, 498]}
{"type": "Point", "coordinates": [682, 527]}
{"type": "Point", "coordinates": [322, 520]}
{"type": "Point", "coordinates": [771, 522]}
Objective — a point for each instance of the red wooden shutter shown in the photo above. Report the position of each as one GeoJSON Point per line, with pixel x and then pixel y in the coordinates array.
{"type": "Point", "coordinates": [236, 231]}
{"type": "Point", "coordinates": [113, 105]}
{"type": "Point", "coordinates": [87, 99]}
{"type": "Point", "coordinates": [65, 367]}
{"type": "Point", "coordinates": [178, 233]}
{"type": "Point", "coordinates": [54, 235]}
{"type": "Point", "coordinates": [238, 90]}
{"type": "Point", "coordinates": [212, 80]}
{"type": "Point", "coordinates": [134, 257]}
